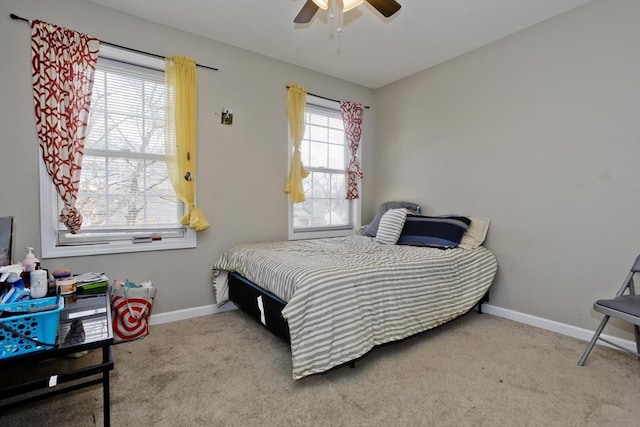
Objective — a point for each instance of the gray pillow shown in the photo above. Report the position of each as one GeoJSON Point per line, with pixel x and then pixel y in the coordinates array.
{"type": "Point", "coordinates": [372, 228]}
{"type": "Point", "coordinates": [390, 226]}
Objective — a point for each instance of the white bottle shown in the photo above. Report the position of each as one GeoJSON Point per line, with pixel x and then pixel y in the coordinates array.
{"type": "Point", "coordinates": [38, 279]}
{"type": "Point", "coordinates": [30, 261]}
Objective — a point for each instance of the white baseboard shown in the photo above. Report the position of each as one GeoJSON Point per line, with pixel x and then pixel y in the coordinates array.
{"type": "Point", "coordinates": [188, 313]}
{"type": "Point", "coordinates": [539, 322]}
{"type": "Point", "coordinates": [552, 325]}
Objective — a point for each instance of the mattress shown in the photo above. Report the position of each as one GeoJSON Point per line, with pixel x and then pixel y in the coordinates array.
{"type": "Point", "coordinates": [346, 295]}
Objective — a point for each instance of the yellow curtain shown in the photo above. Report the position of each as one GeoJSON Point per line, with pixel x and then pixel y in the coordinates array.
{"type": "Point", "coordinates": [296, 102]}
{"type": "Point", "coordinates": [181, 152]}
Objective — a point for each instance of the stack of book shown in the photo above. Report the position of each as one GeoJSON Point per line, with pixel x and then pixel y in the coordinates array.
{"type": "Point", "coordinates": [91, 283]}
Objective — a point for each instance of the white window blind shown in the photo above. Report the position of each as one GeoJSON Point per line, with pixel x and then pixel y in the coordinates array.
{"type": "Point", "coordinates": [124, 189]}
{"type": "Point", "coordinates": [325, 155]}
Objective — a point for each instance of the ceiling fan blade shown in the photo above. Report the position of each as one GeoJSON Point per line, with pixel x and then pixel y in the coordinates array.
{"type": "Point", "coordinates": [385, 7]}
{"type": "Point", "coordinates": [306, 13]}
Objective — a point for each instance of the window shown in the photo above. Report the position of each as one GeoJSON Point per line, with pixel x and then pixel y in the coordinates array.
{"type": "Point", "coordinates": [325, 212]}
{"type": "Point", "coordinates": [125, 195]}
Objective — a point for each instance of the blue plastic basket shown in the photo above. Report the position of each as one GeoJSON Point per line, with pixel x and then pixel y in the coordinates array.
{"type": "Point", "coordinates": [40, 326]}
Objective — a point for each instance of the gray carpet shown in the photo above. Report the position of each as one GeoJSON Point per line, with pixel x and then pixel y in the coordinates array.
{"type": "Point", "coordinates": [226, 370]}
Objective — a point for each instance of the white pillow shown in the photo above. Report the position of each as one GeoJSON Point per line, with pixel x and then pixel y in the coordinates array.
{"type": "Point", "coordinates": [390, 227]}
{"type": "Point", "coordinates": [475, 234]}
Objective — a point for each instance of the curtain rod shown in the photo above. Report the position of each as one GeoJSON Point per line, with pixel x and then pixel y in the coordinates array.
{"type": "Point", "coordinates": [14, 16]}
{"type": "Point", "coordinates": [328, 99]}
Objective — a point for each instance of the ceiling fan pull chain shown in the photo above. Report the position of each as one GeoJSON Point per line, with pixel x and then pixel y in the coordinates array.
{"type": "Point", "coordinates": [335, 10]}
{"type": "Point", "coordinates": [340, 7]}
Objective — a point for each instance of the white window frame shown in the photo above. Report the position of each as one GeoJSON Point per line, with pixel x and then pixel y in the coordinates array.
{"type": "Point", "coordinates": [180, 237]}
{"type": "Point", "coordinates": [355, 204]}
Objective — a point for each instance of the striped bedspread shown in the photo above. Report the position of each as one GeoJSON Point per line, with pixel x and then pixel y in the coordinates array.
{"type": "Point", "coordinates": [346, 295]}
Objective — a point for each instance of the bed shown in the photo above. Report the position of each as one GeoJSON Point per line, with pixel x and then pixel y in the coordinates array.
{"type": "Point", "coordinates": [335, 299]}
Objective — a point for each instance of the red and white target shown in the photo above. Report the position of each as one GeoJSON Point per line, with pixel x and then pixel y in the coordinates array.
{"type": "Point", "coordinates": [130, 317]}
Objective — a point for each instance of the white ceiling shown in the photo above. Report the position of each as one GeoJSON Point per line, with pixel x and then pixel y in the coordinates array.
{"type": "Point", "coordinates": [371, 50]}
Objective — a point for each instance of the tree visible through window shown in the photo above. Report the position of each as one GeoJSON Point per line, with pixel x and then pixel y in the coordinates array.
{"type": "Point", "coordinates": [124, 179]}
{"type": "Point", "coordinates": [324, 154]}
{"type": "Point", "coordinates": [124, 191]}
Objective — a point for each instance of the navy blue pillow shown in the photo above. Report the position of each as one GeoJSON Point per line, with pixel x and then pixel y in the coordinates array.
{"type": "Point", "coordinates": [437, 232]}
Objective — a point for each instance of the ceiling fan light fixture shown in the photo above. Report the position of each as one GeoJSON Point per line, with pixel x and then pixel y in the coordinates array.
{"type": "Point", "coordinates": [347, 5]}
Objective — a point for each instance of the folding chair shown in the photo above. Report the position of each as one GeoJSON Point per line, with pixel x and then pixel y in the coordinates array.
{"type": "Point", "coordinates": [623, 307]}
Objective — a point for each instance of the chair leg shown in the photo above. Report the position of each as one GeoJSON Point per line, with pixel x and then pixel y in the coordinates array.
{"type": "Point", "coordinates": [637, 328]}
{"type": "Point", "coordinates": [583, 359]}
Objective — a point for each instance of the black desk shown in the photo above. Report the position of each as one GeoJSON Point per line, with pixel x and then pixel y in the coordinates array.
{"type": "Point", "coordinates": [90, 313]}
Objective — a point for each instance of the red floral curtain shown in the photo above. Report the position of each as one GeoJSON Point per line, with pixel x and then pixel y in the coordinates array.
{"type": "Point", "coordinates": [63, 64]}
{"type": "Point", "coordinates": [352, 118]}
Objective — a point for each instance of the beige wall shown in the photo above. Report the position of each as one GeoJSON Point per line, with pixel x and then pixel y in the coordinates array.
{"type": "Point", "coordinates": [539, 131]}
{"type": "Point", "coordinates": [242, 168]}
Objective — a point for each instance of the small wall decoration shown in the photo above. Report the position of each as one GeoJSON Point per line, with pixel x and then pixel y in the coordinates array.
{"type": "Point", "coordinates": [226, 118]}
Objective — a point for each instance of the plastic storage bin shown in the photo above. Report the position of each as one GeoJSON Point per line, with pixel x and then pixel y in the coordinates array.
{"type": "Point", "coordinates": [41, 326]}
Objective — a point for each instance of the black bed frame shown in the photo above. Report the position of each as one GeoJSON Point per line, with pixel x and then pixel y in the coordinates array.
{"type": "Point", "coordinates": [245, 293]}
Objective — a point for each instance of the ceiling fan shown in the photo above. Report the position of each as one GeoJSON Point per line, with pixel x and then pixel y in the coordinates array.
{"type": "Point", "coordinates": [385, 7]}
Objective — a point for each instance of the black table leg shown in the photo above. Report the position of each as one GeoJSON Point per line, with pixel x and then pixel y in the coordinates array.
{"type": "Point", "coordinates": [105, 392]}
{"type": "Point", "coordinates": [106, 357]}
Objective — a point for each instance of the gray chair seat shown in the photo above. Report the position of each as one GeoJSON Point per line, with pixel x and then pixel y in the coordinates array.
{"type": "Point", "coordinates": [625, 307]}
{"type": "Point", "coordinates": [626, 304]}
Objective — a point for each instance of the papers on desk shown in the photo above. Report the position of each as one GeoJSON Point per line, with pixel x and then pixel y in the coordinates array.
{"type": "Point", "coordinates": [91, 283]}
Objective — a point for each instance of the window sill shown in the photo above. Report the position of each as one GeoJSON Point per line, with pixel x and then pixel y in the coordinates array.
{"type": "Point", "coordinates": [117, 247]}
